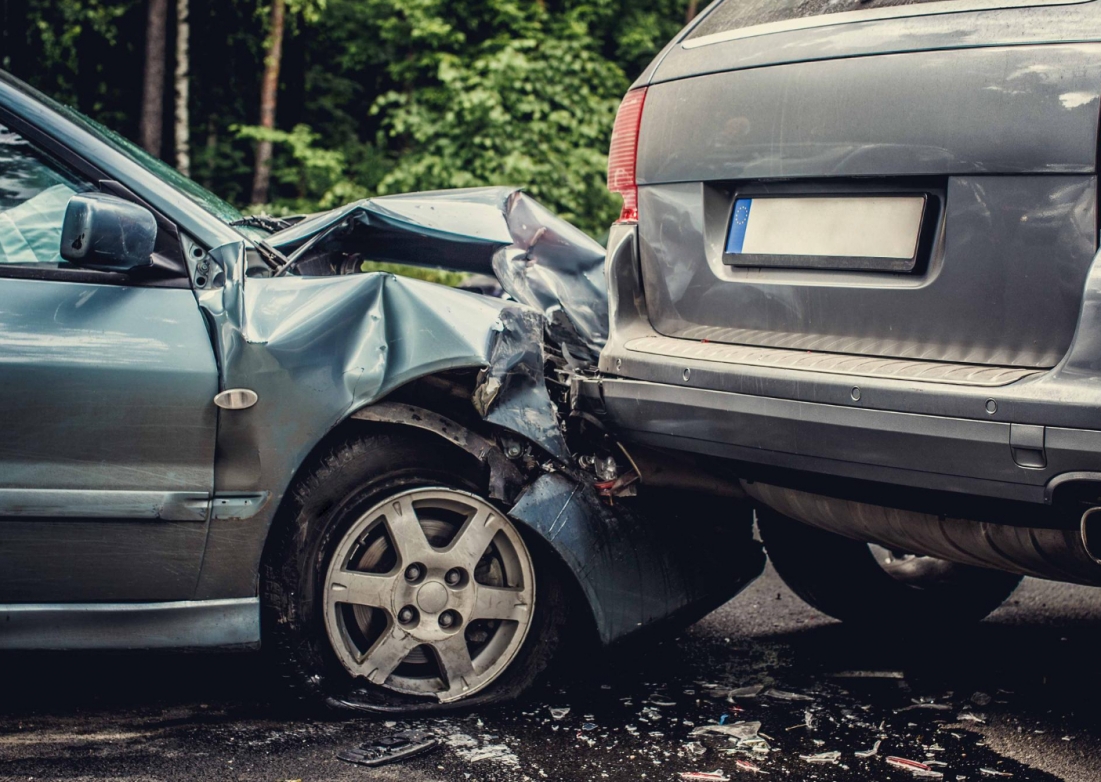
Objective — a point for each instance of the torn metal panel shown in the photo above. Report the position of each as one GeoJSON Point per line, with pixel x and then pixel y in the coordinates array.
{"type": "Point", "coordinates": [671, 556]}
{"type": "Point", "coordinates": [540, 259]}
{"type": "Point", "coordinates": [316, 349]}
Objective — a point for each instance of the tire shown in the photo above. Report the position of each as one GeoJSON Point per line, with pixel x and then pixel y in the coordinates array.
{"type": "Point", "coordinates": [417, 600]}
{"type": "Point", "coordinates": [845, 579]}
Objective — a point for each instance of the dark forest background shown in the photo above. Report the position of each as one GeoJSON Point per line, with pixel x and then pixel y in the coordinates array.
{"type": "Point", "coordinates": [294, 105]}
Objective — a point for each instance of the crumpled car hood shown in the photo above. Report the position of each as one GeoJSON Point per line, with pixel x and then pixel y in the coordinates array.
{"type": "Point", "coordinates": [539, 259]}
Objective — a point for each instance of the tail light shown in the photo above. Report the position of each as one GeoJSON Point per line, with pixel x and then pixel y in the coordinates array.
{"type": "Point", "coordinates": [623, 155]}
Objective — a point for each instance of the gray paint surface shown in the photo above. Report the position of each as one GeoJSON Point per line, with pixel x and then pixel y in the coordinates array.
{"type": "Point", "coordinates": [1012, 110]}
{"type": "Point", "coordinates": [1002, 287]}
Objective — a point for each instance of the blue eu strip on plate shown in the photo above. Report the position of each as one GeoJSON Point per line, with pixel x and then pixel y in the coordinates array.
{"type": "Point", "coordinates": [738, 224]}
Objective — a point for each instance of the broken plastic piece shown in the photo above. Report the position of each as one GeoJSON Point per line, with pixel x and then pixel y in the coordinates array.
{"type": "Point", "coordinates": [784, 695]}
{"type": "Point", "coordinates": [867, 753]}
{"type": "Point", "coordinates": [716, 776]}
{"type": "Point", "coordinates": [391, 749]}
{"type": "Point", "coordinates": [823, 757]}
{"type": "Point", "coordinates": [559, 714]}
{"type": "Point", "coordinates": [739, 730]}
{"type": "Point", "coordinates": [914, 767]}
{"type": "Point", "coordinates": [745, 765]}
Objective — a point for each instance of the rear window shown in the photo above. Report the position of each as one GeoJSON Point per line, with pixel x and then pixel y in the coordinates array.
{"type": "Point", "coordinates": [737, 14]}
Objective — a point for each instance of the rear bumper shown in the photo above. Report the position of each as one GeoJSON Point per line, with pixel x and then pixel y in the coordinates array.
{"type": "Point", "coordinates": [1016, 441]}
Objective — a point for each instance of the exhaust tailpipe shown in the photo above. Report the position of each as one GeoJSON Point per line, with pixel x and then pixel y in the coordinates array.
{"type": "Point", "coordinates": [1091, 533]}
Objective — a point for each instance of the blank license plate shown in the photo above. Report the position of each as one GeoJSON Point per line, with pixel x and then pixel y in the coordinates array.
{"type": "Point", "coordinates": [873, 233]}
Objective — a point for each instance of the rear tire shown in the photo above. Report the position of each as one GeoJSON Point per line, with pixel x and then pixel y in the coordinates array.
{"type": "Point", "coordinates": [844, 578]}
{"type": "Point", "coordinates": [348, 585]}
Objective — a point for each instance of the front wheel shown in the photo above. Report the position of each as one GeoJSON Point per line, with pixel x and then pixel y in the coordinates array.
{"type": "Point", "coordinates": [400, 587]}
{"type": "Point", "coordinates": [856, 582]}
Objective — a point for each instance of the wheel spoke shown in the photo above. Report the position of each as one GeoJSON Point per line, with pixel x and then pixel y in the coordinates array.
{"type": "Point", "coordinates": [387, 654]}
{"type": "Point", "coordinates": [367, 589]}
{"type": "Point", "coordinates": [405, 531]}
{"type": "Point", "coordinates": [498, 603]}
{"type": "Point", "coordinates": [457, 665]}
{"type": "Point", "coordinates": [474, 538]}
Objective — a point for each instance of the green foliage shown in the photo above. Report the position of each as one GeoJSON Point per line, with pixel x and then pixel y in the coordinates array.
{"type": "Point", "coordinates": [376, 96]}
{"type": "Point", "coordinates": [441, 276]}
{"type": "Point", "coordinates": [521, 111]}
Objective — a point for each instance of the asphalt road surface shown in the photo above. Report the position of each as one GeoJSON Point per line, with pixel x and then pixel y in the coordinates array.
{"type": "Point", "coordinates": [1019, 694]}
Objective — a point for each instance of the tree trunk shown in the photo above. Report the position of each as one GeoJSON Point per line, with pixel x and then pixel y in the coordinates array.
{"type": "Point", "coordinates": [693, 9]}
{"type": "Point", "coordinates": [183, 78]}
{"type": "Point", "coordinates": [269, 89]}
{"type": "Point", "coordinates": [152, 97]}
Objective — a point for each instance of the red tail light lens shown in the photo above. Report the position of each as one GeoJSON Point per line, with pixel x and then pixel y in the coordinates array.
{"type": "Point", "coordinates": [623, 154]}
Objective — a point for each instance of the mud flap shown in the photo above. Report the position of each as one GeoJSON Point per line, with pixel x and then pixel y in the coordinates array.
{"type": "Point", "coordinates": [663, 557]}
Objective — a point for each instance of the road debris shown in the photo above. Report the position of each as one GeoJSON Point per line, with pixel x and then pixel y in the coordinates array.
{"type": "Point", "coordinates": [391, 749]}
{"type": "Point", "coordinates": [739, 730]}
{"type": "Point", "coordinates": [990, 772]}
{"type": "Point", "coordinates": [715, 776]}
{"type": "Point", "coordinates": [559, 714]}
{"type": "Point", "coordinates": [868, 675]}
{"type": "Point", "coordinates": [750, 768]}
{"type": "Point", "coordinates": [784, 695]}
{"type": "Point", "coordinates": [752, 691]}
{"type": "Point", "coordinates": [867, 753]}
{"type": "Point", "coordinates": [920, 770]}
{"type": "Point", "coordinates": [970, 717]}
{"type": "Point", "coordinates": [823, 757]}
{"type": "Point", "coordinates": [981, 699]}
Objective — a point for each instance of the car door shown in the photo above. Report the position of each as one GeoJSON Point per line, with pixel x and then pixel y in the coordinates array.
{"type": "Point", "coordinates": [106, 412]}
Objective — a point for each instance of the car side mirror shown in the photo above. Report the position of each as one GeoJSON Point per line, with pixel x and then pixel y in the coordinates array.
{"type": "Point", "coordinates": [102, 231]}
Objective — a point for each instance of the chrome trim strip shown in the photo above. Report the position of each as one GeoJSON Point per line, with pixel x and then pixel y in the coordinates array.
{"type": "Point", "coordinates": [870, 15]}
{"type": "Point", "coordinates": [104, 504]}
{"type": "Point", "coordinates": [187, 624]}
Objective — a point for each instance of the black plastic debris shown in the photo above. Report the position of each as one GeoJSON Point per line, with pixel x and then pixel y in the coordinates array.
{"type": "Point", "coordinates": [391, 749]}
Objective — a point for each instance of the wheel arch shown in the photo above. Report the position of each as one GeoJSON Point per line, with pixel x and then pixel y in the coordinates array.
{"type": "Point", "coordinates": [439, 402]}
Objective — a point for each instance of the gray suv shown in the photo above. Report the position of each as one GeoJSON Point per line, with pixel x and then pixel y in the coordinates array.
{"type": "Point", "coordinates": [856, 278]}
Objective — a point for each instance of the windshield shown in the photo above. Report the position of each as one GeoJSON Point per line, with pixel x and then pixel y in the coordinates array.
{"type": "Point", "coordinates": [200, 195]}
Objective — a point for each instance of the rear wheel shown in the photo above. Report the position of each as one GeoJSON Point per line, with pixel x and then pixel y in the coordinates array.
{"type": "Point", "coordinates": [860, 583]}
{"type": "Point", "coordinates": [399, 586]}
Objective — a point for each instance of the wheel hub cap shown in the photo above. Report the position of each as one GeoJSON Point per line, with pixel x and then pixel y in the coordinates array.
{"type": "Point", "coordinates": [464, 634]}
{"type": "Point", "coordinates": [432, 597]}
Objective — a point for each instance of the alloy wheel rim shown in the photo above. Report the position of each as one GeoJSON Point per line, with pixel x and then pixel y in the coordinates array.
{"type": "Point", "coordinates": [430, 592]}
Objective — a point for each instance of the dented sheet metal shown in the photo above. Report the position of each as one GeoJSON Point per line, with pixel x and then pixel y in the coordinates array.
{"type": "Point", "coordinates": [319, 345]}
{"type": "Point", "coordinates": [317, 349]}
{"type": "Point", "coordinates": [540, 259]}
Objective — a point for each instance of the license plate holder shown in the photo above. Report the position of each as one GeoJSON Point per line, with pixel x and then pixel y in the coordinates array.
{"type": "Point", "coordinates": [878, 233]}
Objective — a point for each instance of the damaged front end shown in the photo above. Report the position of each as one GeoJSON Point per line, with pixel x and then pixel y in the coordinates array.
{"type": "Point", "coordinates": [492, 376]}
